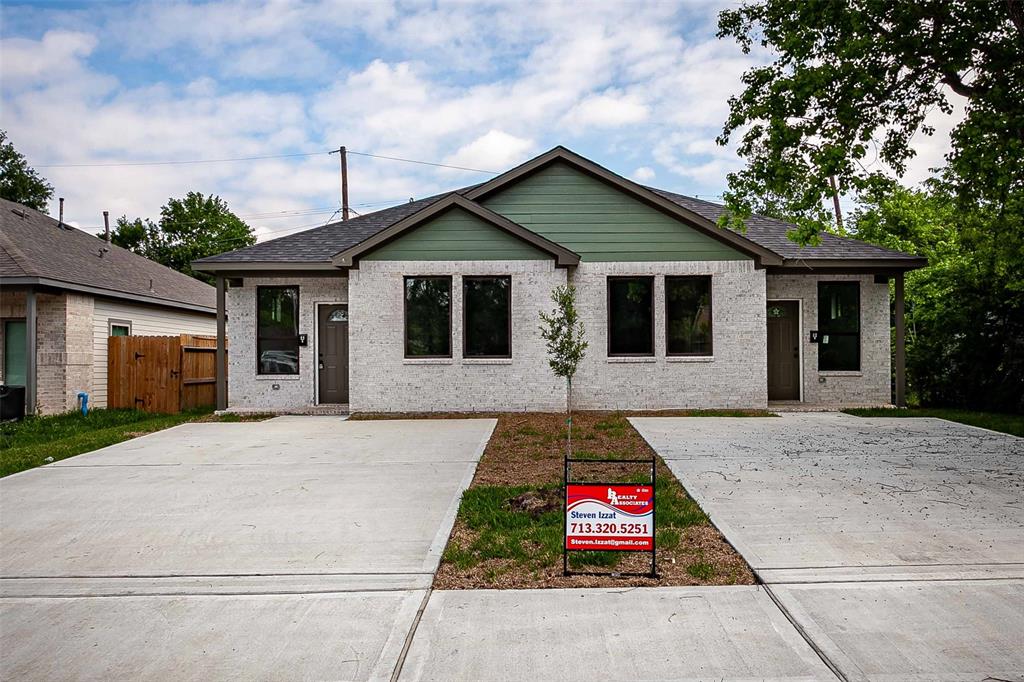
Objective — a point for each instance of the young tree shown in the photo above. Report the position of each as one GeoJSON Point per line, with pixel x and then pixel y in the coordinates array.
{"type": "Point", "coordinates": [189, 228]}
{"type": "Point", "coordinates": [852, 82]}
{"type": "Point", "coordinates": [564, 333]}
{"type": "Point", "coordinates": [18, 181]}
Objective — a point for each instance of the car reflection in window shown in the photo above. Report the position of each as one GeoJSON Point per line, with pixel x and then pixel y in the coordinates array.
{"type": "Point", "coordinates": [279, 362]}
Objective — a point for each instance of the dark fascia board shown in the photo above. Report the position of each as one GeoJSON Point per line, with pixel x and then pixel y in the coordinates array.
{"type": "Point", "coordinates": [106, 293]}
{"type": "Point", "coordinates": [215, 267]}
{"type": "Point", "coordinates": [563, 256]}
{"type": "Point", "coordinates": [809, 266]}
{"type": "Point", "coordinates": [737, 241]}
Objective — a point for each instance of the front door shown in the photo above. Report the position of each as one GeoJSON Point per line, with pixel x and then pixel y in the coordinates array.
{"type": "Point", "coordinates": [783, 350]}
{"type": "Point", "coordinates": [332, 347]}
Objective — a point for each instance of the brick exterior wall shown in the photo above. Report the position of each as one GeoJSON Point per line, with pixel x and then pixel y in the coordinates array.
{"type": "Point", "coordinates": [246, 388]}
{"type": "Point", "coordinates": [871, 385]}
{"type": "Point", "coordinates": [382, 380]}
{"type": "Point", "coordinates": [736, 375]}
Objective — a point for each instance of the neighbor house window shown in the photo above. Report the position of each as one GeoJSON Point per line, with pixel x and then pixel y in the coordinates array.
{"type": "Point", "coordinates": [428, 317]}
{"type": "Point", "coordinates": [277, 330]}
{"type": "Point", "coordinates": [14, 353]}
{"type": "Point", "coordinates": [839, 326]}
{"type": "Point", "coordinates": [119, 327]}
{"type": "Point", "coordinates": [688, 315]}
{"type": "Point", "coordinates": [630, 316]}
{"type": "Point", "coordinates": [487, 317]}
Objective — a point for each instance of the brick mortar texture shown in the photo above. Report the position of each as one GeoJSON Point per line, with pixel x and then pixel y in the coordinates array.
{"type": "Point", "coordinates": [381, 378]}
{"type": "Point", "coordinates": [246, 388]}
{"type": "Point", "coordinates": [872, 385]}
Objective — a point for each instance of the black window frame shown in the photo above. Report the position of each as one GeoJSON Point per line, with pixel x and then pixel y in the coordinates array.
{"type": "Point", "coordinates": [711, 315]}
{"type": "Point", "coordinates": [465, 312]}
{"type": "Point", "coordinates": [608, 315]}
{"type": "Point", "coordinates": [298, 348]}
{"type": "Point", "coordinates": [405, 318]}
{"type": "Point", "coordinates": [822, 331]}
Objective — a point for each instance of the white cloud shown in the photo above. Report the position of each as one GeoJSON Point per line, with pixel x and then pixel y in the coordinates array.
{"type": "Point", "coordinates": [495, 150]}
{"type": "Point", "coordinates": [607, 110]}
{"type": "Point", "coordinates": [643, 174]}
{"type": "Point", "coordinates": [56, 56]}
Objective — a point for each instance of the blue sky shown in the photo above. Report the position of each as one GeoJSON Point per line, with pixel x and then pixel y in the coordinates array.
{"type": "Point", "coordinates": [639, 87]}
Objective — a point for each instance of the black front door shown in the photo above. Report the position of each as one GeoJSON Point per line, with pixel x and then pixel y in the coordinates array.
{"type": "Point", "coordinates": [332, 347]}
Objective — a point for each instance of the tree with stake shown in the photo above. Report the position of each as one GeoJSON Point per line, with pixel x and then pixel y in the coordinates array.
{"type": "Point", "coordinates": [564, 334]}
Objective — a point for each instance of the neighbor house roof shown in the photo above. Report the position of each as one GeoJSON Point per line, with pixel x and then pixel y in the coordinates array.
{"type": "Point", "coordinates": [36, 249]}
{"type": "Point", "coordinates": [765, 239]}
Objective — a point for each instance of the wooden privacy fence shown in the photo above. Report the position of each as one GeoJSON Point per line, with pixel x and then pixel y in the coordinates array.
{"type": "Point", "coordinates": [161, 373]}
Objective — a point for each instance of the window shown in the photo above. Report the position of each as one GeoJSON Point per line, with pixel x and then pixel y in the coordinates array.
{"type": "Point", "coordinates": [119, 327]}
{"type": "Point", "coordinates": [630, 316]}
{"type": "Point", "coordinates": [688, 315]}
{"type": "Point", "coordinates": [428, 317]}
{"type": "Point", "coordinates": [839, 326]}
{"type": "Point", "coordinates": [277, 330]}
{"type": "Point", "coordinates": [14, 353]}
{"type": "Point", "coordinates": [487, 317]}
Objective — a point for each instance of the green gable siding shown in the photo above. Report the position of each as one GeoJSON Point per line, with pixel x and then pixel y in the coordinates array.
{"type": "Point", "coordinates": [599, 222]}
{"type": "Point", "coordinates": [457, 235]}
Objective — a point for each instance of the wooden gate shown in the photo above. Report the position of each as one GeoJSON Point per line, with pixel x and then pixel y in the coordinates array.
{"type": "Point", "coordinates": [161, 373]}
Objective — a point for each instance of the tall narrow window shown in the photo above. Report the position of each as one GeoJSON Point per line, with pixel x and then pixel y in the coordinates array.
{"type": "Point", "coordinates": [487, 317]}
{"type": "Point", "coordinates": [14, 352]}
{"type": "Point", "coordinates": [428, 317]}
{"type": "Point", "coordinates": [839, 326]}
{"type": "Point", "coordinates": [688, 315]}
{"type": "Point", "coordinates": [277, 330]}
{"type": "Point", "coordinates": [630, 316]}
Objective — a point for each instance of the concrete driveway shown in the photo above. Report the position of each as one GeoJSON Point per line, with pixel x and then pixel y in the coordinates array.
{"type": "Point", "coordinates": [896, 545]}
{"type": "Point", "coordinates": [300, 547]}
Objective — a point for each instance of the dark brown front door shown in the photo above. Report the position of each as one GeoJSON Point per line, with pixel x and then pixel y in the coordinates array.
{"type": "Point", "coordinates": [332, 347]}
{"type": "Point", "coordinates": [783, 350]}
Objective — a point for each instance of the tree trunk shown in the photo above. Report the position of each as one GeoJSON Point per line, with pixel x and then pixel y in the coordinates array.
{"type": "Point", "coordinates": [568, 411]}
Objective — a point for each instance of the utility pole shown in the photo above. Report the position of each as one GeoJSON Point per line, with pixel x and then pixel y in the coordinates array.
{"type": "Point", "coordinates": [835, 202]}
{"type": "Point", "coordinates": [343, 157]}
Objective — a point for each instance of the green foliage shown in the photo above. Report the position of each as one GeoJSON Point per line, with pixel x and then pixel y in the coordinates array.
{"type": "Point", "coordinates": [564, 333]}
{"type": "Point", "coordinates": [189, 228]}
{"type": "Point", "coordinates": [18, 181]}
{"type": "Point", "coordinates": [851, 83]}
{"type": "Point", "coordinates": [965, 311]}
{"type": "Point", "coordinates": [1012, 424]}
{"type": "Point", "coordinates": [701, 570]}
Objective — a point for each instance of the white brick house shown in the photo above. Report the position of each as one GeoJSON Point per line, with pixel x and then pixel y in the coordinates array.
{"type": "Point", "coordinates": [64, 292]}
{"type": "Point", "coordinates": [434, 305]}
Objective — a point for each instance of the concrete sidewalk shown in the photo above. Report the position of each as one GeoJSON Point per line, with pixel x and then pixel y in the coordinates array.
{"type": "Point", "coordinates": [896, 545]}
{"type": "Point", "coordinates": [296, 548]}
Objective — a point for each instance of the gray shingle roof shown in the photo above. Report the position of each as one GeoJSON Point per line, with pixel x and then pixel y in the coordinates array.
{"type": "Point", "coordinates": [319, 244]}
{"type": "Point", "coordinates": [34, 245]}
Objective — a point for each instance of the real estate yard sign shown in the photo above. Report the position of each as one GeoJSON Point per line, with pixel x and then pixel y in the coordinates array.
{"type": "Point", "coordinates": [609, 516]}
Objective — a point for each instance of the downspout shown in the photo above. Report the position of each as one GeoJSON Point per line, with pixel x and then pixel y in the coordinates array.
{"type": "Point", "coordinates": [222, 368]}
{"type": "Point", "coordinates": [900, 368]}
{"type": "Point", "coordinates": [30, 352]}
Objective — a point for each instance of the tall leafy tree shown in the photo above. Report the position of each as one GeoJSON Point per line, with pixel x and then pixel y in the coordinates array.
{"type": "Point", "coordinates": [20, 182]}
{"type": "Point", "coordinates": [193, 227]}
{"type": "Point", "coordinates": [852, 82]}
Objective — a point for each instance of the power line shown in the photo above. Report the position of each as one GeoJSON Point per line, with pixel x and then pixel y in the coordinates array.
{"type": "Point", "coordinates": [178, 163]}
{"type": "Point", "coordinates": [423, 163]}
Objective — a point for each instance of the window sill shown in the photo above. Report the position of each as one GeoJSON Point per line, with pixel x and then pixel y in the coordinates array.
{"type": "Point", "coordinates": [840, 373]}
{"type": "Point", "coordinates": [278, 377]}
{"type": "Point", "coordinates": [487, 361]}
{"type": "Point", "coordinates": [427, 361]}
{"type": "Point", "coordinates": [690, 358]}
{"type": "Point", "coordinates": [628, 359]}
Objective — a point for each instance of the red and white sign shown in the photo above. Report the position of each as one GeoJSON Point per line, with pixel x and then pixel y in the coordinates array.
{"type": "Point", "coordinates": [616, 517]}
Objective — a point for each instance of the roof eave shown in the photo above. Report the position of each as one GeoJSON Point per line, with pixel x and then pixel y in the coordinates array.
{"type": "Point", "coordinates": [217, 267]}
{"type": "Point", "coordinates": [108, 293]}
{"type": "Point", "coordinates": [859, 264]}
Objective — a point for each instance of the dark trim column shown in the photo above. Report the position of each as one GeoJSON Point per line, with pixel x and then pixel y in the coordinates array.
{"type": "Point", "coordinates": [900, 368]}
{"type": "Point", "coordinates": [222, 356]}
{"type": "Point", "coordinates": [30, 351]}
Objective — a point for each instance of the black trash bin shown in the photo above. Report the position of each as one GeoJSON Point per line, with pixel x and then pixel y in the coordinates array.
{"type": "Point", "coordinates": [12, 402]}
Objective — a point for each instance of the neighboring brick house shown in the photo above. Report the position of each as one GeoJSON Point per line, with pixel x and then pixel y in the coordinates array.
{"type": "Point", "coordinates": [434, 305]}
{"type": "Point", "coordinates": [79, 290]}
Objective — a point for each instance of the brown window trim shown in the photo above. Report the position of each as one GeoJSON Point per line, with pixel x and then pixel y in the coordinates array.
{"type": "Point", "coordinates": [508, 319]}
{"type": "Point", "coordinates": [711, 312]}
{"type": "Point", "coordinates": [859, 333]}
{"type": "Point", "coordinates": [608, 316]}
{"type": "Point", "coordinates": [298, 356]}
{"type": "Point", "coordinates": [405, 318]}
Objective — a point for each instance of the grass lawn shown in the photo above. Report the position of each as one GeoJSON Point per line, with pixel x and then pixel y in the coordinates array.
{"type": "Point", "coordinates": [508, 533]}
{"type": "Point", "coordinates": [1012, 424]}
{"type": "Point", "coordinates": [40, 440]}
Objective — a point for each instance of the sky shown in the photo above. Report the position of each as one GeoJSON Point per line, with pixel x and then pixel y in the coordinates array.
{"type": "Point", "coordinates": [639, 87]}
